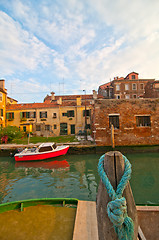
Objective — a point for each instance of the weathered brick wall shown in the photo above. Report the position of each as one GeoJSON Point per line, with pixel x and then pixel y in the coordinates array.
{"type": "Point", "coordinates": [128, 132]}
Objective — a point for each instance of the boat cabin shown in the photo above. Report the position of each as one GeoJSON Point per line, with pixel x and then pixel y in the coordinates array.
{"type": "Point", "coordinates": [46, 147]}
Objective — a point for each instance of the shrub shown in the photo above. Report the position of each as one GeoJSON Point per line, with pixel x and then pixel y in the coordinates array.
{"type": "Point", "coordinates": [10, 131]}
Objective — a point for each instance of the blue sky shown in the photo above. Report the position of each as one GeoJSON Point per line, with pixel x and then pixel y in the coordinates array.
{"type": "Point", "coordinates": [66, 46]}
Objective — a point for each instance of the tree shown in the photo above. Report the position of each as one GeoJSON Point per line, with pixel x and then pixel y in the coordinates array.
{"type": "Point", "coordinates": [10, 131]}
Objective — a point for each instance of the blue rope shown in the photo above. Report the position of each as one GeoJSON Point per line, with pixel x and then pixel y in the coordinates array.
{"type": "Point", "coordinates": [117, 209]}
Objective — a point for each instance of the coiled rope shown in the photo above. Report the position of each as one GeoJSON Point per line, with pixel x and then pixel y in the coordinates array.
{"type": "Point", "coordinates": [117, 209]}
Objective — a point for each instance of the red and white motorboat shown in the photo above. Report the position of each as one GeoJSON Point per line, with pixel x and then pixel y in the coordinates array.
{"type": "Point", "coordinates": [44, 151]}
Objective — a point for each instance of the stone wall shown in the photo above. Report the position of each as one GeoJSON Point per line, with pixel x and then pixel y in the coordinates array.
{"type": "Point", "coordinates": [127, 110]}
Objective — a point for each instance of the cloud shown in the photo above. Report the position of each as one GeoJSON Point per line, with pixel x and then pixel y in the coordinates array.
{"type": "Point", "coordinates": [20, 50]}
{"type": "Point", "coordinates": [26, 91]}
{"type": "Point", "coordinates": [80, 41]}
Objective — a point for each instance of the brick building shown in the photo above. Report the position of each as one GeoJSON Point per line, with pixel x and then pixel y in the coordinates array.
{"type": "Point", "coordinates": [129, 87]}
{"type": "Point", "coordinates": [152, 90]}
{"type": "Point", "coordinates": [135, 121]}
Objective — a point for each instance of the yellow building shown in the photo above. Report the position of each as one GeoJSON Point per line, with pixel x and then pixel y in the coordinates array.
{"type": "Point", "coordinates": [3, 97]}
{"type": "Point", "coordinates": [56, 117]}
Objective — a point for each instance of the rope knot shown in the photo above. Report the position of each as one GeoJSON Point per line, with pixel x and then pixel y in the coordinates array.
{"type": "Point", "coordinates": [117, 211]}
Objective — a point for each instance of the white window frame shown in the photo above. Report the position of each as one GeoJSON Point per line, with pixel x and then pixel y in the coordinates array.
{"type": "Point", "coordinates": [127, 96]}
{"type": "Point", "coordinates": [126, 86]}
{"type": "Point", "coordinates": [117, 87]}
{"type": "Point", "coordinates": [117, 96]}
{"type": "Point", "coordinates": [134, 84]}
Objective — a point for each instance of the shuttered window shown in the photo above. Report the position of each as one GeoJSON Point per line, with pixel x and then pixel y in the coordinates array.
{"type": "Point", "coordinates": [87, 113]}
{"type": "Point", "coordinates": [43, 114]}
{"type": "Point", "coordinates": [10, 115]}
{"type": "Point", "coordinates": [28, 115]}
{"type": "Point", "coordinates": [114, 120]}
{"type": "Point", "coordinates": [143, 121]}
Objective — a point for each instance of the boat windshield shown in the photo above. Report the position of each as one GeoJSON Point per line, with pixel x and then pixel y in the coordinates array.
{"type": "Point", "coordinates": [45, 149]}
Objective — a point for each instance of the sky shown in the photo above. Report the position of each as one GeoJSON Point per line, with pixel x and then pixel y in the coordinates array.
{"type": "Point", "coordinates": [67, 46]}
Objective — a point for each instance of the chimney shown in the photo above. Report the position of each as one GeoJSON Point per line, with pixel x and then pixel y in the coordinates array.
{"type": "Point", "coordinates": [2, 83]}
{"type": "Point", "coordinates": [59, 101]}
{"type": "Point", "coordinates": [52, 96]}
{"type": "Point", "coordinates": [94, 94]}
{"type": "Point", "coordinates": [78, 101]}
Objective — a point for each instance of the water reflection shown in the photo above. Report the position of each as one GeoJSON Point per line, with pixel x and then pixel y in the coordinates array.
{"type": "Point", "coordinates": [73, 176]}
{"type": "Point", "coordinates": [55, 164]}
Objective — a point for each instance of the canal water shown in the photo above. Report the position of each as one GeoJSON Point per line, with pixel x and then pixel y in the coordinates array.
{"type": "Point", "coordinates": [74, 176]}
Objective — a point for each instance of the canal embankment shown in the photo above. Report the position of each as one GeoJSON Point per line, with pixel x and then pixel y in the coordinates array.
{"type": "Point", "coordinates": [85, 148]}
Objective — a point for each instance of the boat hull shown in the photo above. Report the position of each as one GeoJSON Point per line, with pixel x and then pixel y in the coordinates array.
{"type": "Point", "coordinates": [41, 156]}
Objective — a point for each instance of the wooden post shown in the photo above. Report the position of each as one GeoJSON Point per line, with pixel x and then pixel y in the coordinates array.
{"type": "Point", "coordinates": [114, 168]}
{"type": "Point", "coordinates": [112, 136]}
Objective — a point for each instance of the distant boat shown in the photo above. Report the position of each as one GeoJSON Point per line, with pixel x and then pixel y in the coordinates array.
{"type": "Point", "coordinates": [44, 151]}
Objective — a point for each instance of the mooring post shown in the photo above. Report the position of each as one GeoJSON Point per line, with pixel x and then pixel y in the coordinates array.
{"type": "Point", "coordinates": [114, 168]}
{"type": "Point", "coordinates": [112, 136]}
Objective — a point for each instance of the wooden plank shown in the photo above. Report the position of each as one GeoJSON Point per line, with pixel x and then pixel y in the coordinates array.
{"type": "Point", "coordinates": [140, 233]}
{"type": "Point", "coordinates": [86, 221]}
{"type": "Point", "coordinates": [148, 208]}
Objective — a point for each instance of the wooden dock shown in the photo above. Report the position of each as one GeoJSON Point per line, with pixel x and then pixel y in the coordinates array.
{"type": "Point", "coordinates": [86, 221]}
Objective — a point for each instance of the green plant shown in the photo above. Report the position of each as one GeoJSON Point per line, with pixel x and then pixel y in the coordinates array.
{"type": "Point", "coordinates": [11, 131]}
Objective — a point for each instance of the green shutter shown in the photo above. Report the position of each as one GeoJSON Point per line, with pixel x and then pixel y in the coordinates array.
{"type": "Point", "coordinates": [27, 114]}
{"type": "Point", "coordinates": [7, 115]}
{"type": "Point", "coordinates": [21, 115]}
{"type": "Point", "coordinates": [1, 112]}
{"type": "Point", "coordinates": [12, 115]}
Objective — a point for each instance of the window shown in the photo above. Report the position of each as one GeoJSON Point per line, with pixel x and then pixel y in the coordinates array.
{"type": "Point", "coordinates": [31, 114]}
{"type": "Point", "coordinates": [1, 112]}
{"type": "Point", "coordinates": [45, 149]}
{"type": "Point", "coordinates": [114, 120]}
{"type": "Point", "coordinates": [141, 86]}
{"type": "Point", "coordinates": [64, 114]}
{"type": "Point", "coordinates": [117, 87]}
{"type": "Point", "coordinates": [47, 127]}
{"type": "Point", "coordinates": [126, 86]}
{"type": "Point", "coordinates": [70, 113]}
{"type": "Point", "coordinates": [54, 115]}
{"type": "Point", "coordinates": [24, 128]}
{"type": "Point", "coordinates": [134, 86]}
{"type": "Point", "coordinates": [87, 113]}
{"type": "Point", "coordinates": [55, 126]}
{"type": "Point", "coordinates": [133, 77]}
{"type": "Point", "coordinates": [38, 128]}
{"type": "Point", "coordinates": [43, 114]}
{"type": "Point", "coordinates": [28, 115]}
{"type": "Point", "coordinates": [134, 96]}
{"type": "Point", "coordinates": [0, 97]}
{"type": "Point", "coordinates": [117, 96]}
{"type": "Point", "coordinates": [88, 126]}
{"type": "Point", "coordinates": [143, 121]}
{"type": "Point", "coordinates": [127, 96]}
{"type": "Point", "coordinates": [10, 115]}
